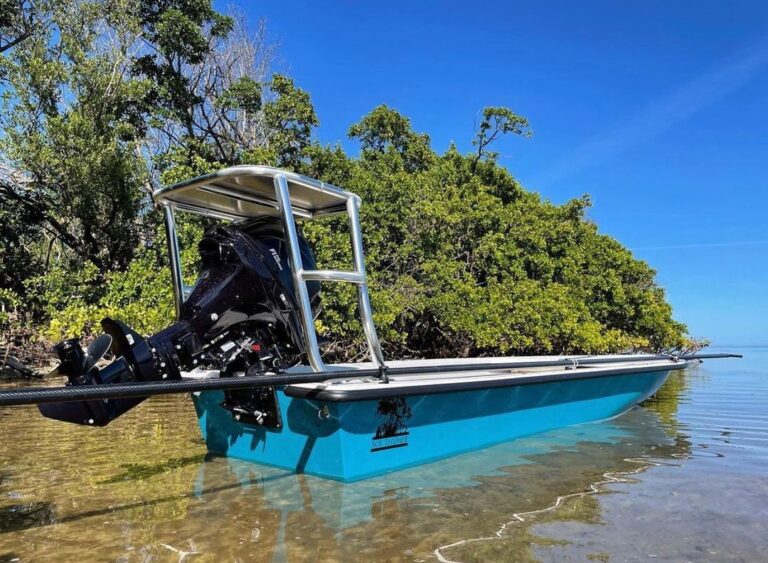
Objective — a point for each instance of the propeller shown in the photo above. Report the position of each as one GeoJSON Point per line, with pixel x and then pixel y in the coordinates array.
{"type": "Point", "coordinates": [76, 362]}
{"type": "Point", "coordinates": [96, 351]}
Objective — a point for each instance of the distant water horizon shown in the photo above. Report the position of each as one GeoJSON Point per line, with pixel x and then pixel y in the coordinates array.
{"type": "Point", "coordinates": [720, 346]}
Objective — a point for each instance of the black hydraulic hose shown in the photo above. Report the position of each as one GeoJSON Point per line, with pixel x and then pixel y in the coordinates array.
{"type": "Point", "coordinates": [37, 395]}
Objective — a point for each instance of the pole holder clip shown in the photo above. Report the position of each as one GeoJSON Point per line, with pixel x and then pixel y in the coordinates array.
{"type": "Point", "coordinates": [383, 374]}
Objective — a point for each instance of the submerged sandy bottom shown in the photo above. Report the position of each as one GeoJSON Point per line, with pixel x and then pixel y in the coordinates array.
{"type": "Point", "coordinates": [682, 478]}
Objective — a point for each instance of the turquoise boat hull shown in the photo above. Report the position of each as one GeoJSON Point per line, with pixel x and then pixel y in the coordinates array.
{"type": "Point", "coordinates": [349, 440]}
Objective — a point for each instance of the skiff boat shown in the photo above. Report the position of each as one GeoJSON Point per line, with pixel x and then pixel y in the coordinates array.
{"type": "Point", "coordinates": [244, 345]}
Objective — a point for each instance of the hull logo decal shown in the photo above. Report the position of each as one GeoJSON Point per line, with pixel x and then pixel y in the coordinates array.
{"type": "Point", "coordinates": [392, 431]}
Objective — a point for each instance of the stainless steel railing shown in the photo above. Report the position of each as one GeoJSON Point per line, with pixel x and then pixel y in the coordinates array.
{"type": "Point", "coordinates": [301, 276]}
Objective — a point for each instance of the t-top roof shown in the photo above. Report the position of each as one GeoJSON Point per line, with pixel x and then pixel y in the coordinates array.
{"type": "Point", "coordinates": [240, 192]}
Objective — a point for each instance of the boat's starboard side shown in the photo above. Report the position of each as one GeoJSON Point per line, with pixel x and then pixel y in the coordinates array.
{"type": "Point", "coordinates": [349, 431]}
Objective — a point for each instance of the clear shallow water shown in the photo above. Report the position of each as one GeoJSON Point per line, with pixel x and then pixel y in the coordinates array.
{"type": "Point", "coordinates": [684, 477]}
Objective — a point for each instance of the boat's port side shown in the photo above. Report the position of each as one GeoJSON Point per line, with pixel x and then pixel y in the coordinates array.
{"type": "Point", "coordinates": [356, 437]}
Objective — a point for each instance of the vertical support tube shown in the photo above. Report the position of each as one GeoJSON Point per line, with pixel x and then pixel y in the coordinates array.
{"type": "Point", "coordinates": [364, 303]}
{"type": "Point", "coordinates": [297, 267]}
{"type": "Point", "coordinates": [175, 258]}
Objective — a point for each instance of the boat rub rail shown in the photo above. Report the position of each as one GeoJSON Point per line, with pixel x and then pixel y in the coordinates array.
{"type": "Point", "coordinates": [407, 385]}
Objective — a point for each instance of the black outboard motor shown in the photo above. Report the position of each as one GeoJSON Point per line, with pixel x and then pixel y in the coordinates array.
{"type": "Point", "coordinates": [241, 314]}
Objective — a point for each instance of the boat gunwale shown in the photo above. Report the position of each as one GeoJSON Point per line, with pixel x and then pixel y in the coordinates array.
{"type": "Point", "coordinates": [335, 391]}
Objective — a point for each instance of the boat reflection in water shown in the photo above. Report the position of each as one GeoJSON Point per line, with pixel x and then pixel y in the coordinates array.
{"type": "Point", "coordinates": [74, 492]}
{"type": "Point", "coordinates": [413, 511]}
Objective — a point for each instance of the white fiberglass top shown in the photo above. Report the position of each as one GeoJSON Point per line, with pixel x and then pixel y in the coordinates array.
{"type": "Point", "coordinates": [240, 192]}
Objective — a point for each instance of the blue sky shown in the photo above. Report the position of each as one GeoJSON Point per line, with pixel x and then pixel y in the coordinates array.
{"type": "Point", "coordinates": [659, 110]}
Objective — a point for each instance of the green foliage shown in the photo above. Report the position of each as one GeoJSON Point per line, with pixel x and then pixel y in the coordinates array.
{"type": "Point", "coordinates": [18, 19]}
{"type": "Point", "coordinates": [244, 94]}
{"type": "Point", "coordinates": [463, 261]}
{"type": "Point", "coordinates": [291, 117]}
{"type": "Point", "coordinates": [496, 122]}
{"type": "Point", "coordinates": [181, 32]}
{"type": "Point", "coordinates": [140, 296]}
{"type": "Point", "coordinates": [9, 302]}
{"type": "Point", "coordinates": [385, 130]}
{"type": "Point", "coordinates": [20, 251]}
{"type": "Point", "coordinates": [68, 129]}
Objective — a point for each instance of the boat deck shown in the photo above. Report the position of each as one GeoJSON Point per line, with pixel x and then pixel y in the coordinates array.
{"type": "Point", "coordinates": [419, 382]}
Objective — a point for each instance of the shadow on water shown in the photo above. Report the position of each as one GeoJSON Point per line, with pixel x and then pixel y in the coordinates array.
{"type": "Point", "coordinates": [140, 471]}
{"type": "Point", "coordinates": [17, 517]}
{"type": "Point", "coordinates": [144, 488]}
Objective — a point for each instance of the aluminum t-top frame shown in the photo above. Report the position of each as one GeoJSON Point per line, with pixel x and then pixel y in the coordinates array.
{"type": "Point", "coordinates": [242, 192]}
